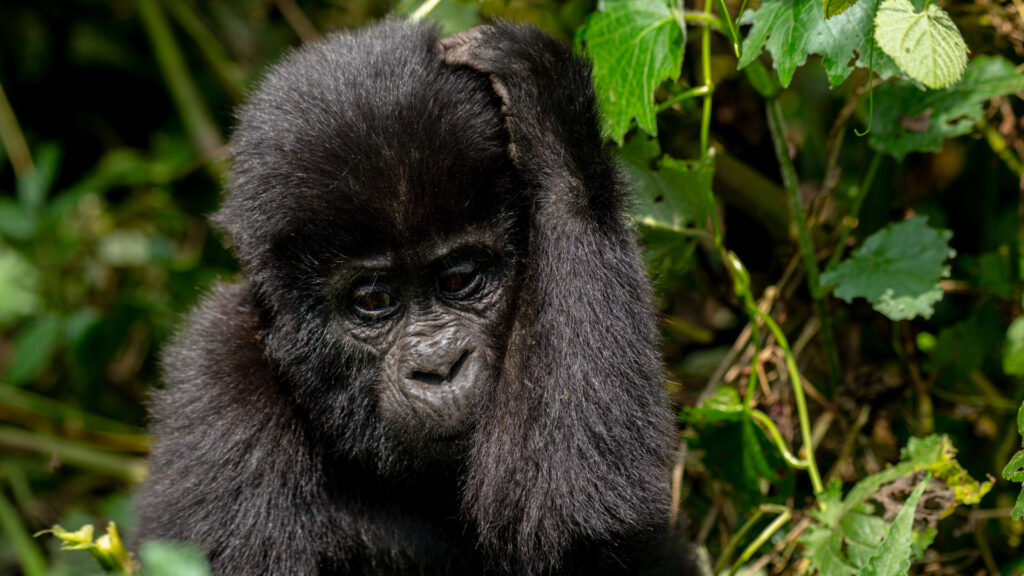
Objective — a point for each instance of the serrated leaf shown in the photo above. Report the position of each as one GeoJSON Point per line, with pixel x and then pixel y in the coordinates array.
{"type": "Point", "coordinates": [836, 7]}
{"type": "Point", "coordinates": [897, 269]}
{"type": "Point", "coordinates": [908, 119]}
{"type": "Point", "coordinates": [926, 45]}
{"type": "Point", "coordinates": [896, 549]}
{"type": "Point", "coordinates": [790, 30]}
{"type": "Point", "coordinates": [634, 45]}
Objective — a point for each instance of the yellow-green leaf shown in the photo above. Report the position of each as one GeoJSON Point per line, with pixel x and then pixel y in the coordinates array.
{"type": "Point", "coordinates": [927, 46]}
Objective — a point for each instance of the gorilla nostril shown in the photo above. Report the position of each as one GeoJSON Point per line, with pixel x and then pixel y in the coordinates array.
{"type": "Point", "coordinates": [434, 378]}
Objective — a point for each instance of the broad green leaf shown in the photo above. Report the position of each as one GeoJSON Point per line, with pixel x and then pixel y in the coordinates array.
{"type": "Point", "coordinates": [895, 552]}
{"type": "Point", "coordinates": [908, 119]}
{"type": "Point", "coordinates": [673, 201]}
{"type": "Point", "coordinates": [736, 450]}
{"type": "Point", "coordinates": [926, 45]}
{"type": "Point", "coordinates": [897, 269]}
{"type": "Point", "coordinates": [836, 7]}
{"type": "Point", "coordinates": [19, 287]}
{"type": "Point", "coordinates": [634, 45]}
{"type": "Point", "coordinates": [790, 30]}
{"type": "Point", "coordinates": [1013, 353]}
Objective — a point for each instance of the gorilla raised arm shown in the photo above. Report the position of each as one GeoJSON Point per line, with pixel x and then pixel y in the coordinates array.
{"type": "Point", "coordinates": [441, 358]}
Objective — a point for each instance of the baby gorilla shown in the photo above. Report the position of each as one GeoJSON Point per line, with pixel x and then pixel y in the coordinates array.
{"type": "Point", "coordinates": [441, 358]}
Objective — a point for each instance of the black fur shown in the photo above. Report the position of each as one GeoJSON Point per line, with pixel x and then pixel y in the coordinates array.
{"type": "Point", "coordinates": [272, 451]}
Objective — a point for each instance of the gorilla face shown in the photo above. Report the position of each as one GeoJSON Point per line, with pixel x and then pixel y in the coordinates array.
{"type": "Point", "coordinates": [383, 266]}
{"type": "Point", "coordinates": [427, 315]}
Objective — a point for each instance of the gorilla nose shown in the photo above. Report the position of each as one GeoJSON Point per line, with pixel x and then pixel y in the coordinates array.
{"type": "Point", "coordinates": [441, 372]}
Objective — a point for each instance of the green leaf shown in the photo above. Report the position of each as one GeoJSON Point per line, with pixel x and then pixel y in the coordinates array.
{"type": "Point", "coordinates": [16, 223]}
{"type": "Point", "coordinates": [634, 45]}
{"type": "Point", "coordinates": [1013, 353]}
{"type": "Point", "coordinates": [836, 7]}
{"type": "Point", "coordinates": [34, 347]}
{"type": "Point", "coordinates": [896, 550]}
{"type": "Point", "coordinates": [19, 287]}
{"type": "Point", "coordinates": [1014, 470]}
{"type": "Point", "coordinates": [926, 45]}
{"type": "Point", "coordinates": [34, 186]}
{"type": "Point", "coordinates": [792, 29]}
{"type": "Point", "coordinates": [173, 559]}
{"type": "Point", "coordinates": [908, 119]}
{"type": "Point", "coordinates": [897, 269]}
{"type": "Point", "coordinates": [673, 201]}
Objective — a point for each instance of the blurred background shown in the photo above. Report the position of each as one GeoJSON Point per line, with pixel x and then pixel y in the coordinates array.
{"type": "Point", "coordinates": [114, 118]}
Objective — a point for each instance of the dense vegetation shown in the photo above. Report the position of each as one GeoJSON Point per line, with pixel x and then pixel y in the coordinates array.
{"type": "Point", "coordinates": [831, 194]}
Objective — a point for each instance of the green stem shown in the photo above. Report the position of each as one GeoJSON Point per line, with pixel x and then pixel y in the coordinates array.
{"type": "Point", "coordinates": [784, 514]}
{"type": "Point", "coordinates": [778, 440]}
{"type": "Point", "coordinates": [684, 95]}
{"type": "Point", "coordinates": [423, 10]}
{"type": "Point", "coordinates": [199, 124]}
{"type": "Point", "coordinates": [705, 58]}
{"type": "Point", "coordinates": [730, 27]}
{"type": "Point", "coordinates": [738, 537]}
{"type": "Point", "coordinates": [850, 220]}
{"type": "Point", "coordinates": [692, 17]}
{"type": "Point", "coordinates": [31, 559]}
{"type": "Point", "coordinates": [777, 126]}
{"type": "Point", "coordinates": [801, 401]}
{"type": "Point", "coordinates": [230, 75]}
{"type": "Point", "coordinates": [13, 139]}
{"type": "Point", "coordinates": [76, 454]}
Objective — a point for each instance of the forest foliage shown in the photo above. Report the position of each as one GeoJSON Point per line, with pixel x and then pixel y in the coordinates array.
{"type": "Point", "coordinates": [830, 195]}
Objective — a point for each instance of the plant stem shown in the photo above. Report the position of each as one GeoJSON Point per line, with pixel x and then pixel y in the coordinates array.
{"type": "Point", "coordinates": [13, 139]}
{"type": "Point", "coordinates": [801, 400]}
{"type": "Point", "coordinates": [199, 124]}
{"type": "Point", "coordinates": [423, 10]}
{"type": "Point", "coordinates": [790, 183]}
{"type": "Point", "coordinates": [850, 220]}
{"type": "Point", "coordinates": [684, 95]}
{"type": "Point", "coordinates": [230, 75]}
{"type": "Point", "coordinates": [705, 59]}
{"type": "Point", "coordinates": [81, 455]}
{"type": "Point", "coordinates": [31, 559]}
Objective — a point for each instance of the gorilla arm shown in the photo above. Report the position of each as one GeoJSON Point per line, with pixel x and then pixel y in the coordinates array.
{"type": "Point", "coordinates": [574, 440]}
{"type": "Point", "coordinates": [231, 467]}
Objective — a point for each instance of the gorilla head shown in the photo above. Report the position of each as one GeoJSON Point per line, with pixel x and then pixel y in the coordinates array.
{"type": "Point", "coordinates": [371, 203]}
{"type": "Point", "coordinates": [441, 357]}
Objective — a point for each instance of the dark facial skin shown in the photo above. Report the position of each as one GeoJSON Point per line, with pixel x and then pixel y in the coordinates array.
{"type": "Point", "coordinates": [427, 314]}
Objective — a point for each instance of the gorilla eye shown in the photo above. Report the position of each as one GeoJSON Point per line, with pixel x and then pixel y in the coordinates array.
{"type": "Point", "coordinates": [373, 301]}
{"type": "Point", "coordinates": [461, 281]}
